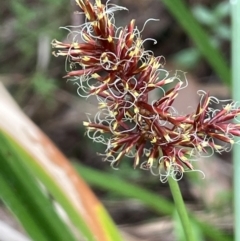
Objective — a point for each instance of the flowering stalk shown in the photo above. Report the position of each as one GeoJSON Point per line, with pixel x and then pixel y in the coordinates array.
{"type": "Point", "coordinates": [181, 209]}
{"type": "Point", "coordinates": [112, 64]}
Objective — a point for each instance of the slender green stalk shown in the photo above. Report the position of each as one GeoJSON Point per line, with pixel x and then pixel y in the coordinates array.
{"type": "Point", "coordinates": [123, 188]}
{"type": "Point", "coordinates": [236, 88]}
{"type": "Point", "coordinates": [214, 57]}
{"type": "Point", "coordinates": [181, 209]}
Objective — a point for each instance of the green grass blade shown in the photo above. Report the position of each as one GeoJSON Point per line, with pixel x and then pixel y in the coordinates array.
{"type": "Point", "coordinates": [12, 200]}
{"type": "Point", "coordinates": [48, 165]}
{"type": "Point", "coordinates": [185, 18]}
{"type": "Point", "coordinates": [117, 185]}
{"type": "Point", "coordinates": [52, 187]}
{"type": "Point", "coordinates": [21, 193]}
{"type": "Point", "coordinates": [235, 11]}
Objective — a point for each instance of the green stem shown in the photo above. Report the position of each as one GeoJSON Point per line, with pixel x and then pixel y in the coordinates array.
{"type": "Point", "coordinates": [181, 209]}
{"type": "Point", "coordinates": [236, 87]}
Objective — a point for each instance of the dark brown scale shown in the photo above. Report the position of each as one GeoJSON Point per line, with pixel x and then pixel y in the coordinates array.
{"type": "Point", "coordinates": [148, 136]}
{"type": "Point", "coordinates": [146, 127]}
{"type": "Point", "coordinates": [144, 112]}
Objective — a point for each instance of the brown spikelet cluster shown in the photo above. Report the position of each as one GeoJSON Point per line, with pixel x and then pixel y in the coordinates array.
{"type": "Point", "coordinates": [112, 64]}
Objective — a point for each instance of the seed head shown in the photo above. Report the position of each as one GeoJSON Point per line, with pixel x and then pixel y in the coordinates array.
{"type": "Point", "coordinates": [112, 64]}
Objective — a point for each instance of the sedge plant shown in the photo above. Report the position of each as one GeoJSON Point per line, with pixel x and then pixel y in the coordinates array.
{"type": "Point", "coordinates": [111, 64]}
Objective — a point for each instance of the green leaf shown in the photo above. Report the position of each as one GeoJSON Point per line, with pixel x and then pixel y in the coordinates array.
{"type": "Point", "coordinates": [117, 185]}
{"type": "Point", "coordinates": [187, 57]}
{"type": "Point", "coordinates": [222, 10]}
{"type": "Point", "coordinates": [22, 194]}
{"type": "Point", "coordinates": [52, 169]}
{"type": "Point", "coordinates": [162, 206]}
{"type": "Point", "coordinates": [204, 15]}
{"type": "Point", "coordinates": [223, 31]}
{"type": "Point", "coordinates": [52, 186]}
{"type": "Point", "coordinates": [213, 56]}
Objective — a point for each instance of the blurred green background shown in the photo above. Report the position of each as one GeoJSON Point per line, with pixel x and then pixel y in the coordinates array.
{"type": "Point", "coordinates": [34, 78]}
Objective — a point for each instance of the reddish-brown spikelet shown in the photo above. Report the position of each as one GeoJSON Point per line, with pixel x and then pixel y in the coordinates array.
{"type": "Point", "coordinates": [112, 65]}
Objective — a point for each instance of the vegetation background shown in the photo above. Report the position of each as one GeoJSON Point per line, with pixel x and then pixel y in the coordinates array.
{"type": "Point", "coordinates": [34, 78]}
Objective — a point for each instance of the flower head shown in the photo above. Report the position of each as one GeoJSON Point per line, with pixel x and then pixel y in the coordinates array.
{"type": "Point", "coordinates": [112, 64]}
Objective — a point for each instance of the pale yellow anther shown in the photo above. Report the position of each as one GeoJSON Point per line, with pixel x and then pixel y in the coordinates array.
{"type": "Point", "coordinates": [98, 3]}
{"type": "Point", "coordinates": [128, 115]}
{"type": "Point", "coordinates": [119, 156]}
{"type": "Point", "coordinates": [59, 54]}
{"type": "Point", "coordinates": [154, 140]}
{"type": "Point", "coordinates": [167, 137]}
{"type": "Point", "coordinates": [115, 125]}
{"type": "Point", "coordinates": [171, 94]}
{"type": "Point", "coordinates": [75, 45]}
{"type": "Point", "coordinates": [137, 160]}
{"type": "Point", "coordinates": [228, 107]}
{"type": "Point", "coordinates": [186, 137]}
{"type": "Point", "coordinates": [167, 164]}
{"type": "Point", "coordinates": [107, 80]}
{"type": "Point", "coordinates": [87, 15]}
{"type": "Point", "coordinates": [136, 93]}
{"type": "Point", "coordinates": [85, 58]}
{"type": "Point", "coordinates": [95, 75]}
{"type": "Point", "coordinates": [205, 143]}
{"type": "Point", "coordinates": [105, 59]}
{"type": "Point", "coordinates": [136, 110]}
{"type": "Point", "coordinates": [131, 54]}
{"type": "Point", "coordinates": [184, 158]}
{"type": "Point", "coordinates": [131, 37]}
{"type": "Point", "coordinates": [102, 105]}
{"type": "Point", "coordinates": [85, 123]}
{"type": "Point", "coordinates": [110, 39]}
{"type": "Point", "coordinates": [114, 67]}
{"type": "Point", "coordinates": [90, 128]}
{"type": "Point", "coordinates": [97, 91]}
{"type": "Point", "coordinates": [150, 160]}
{"type": "Point", "coordinates": [81, 4]}
{"type": "Point", "coordinates": [86, 37]}
{"type": "Point", "coordinates": [114, 145]}
{"type": "Point", "coordinates": [143, 66]}
{"type": "Point", "coordinates": [199, 148]}
{"type": "Point", "coordinates": [170, 80]}
{"type": "Point", "coordinates": [151, 85]}
{"type": "Point", "coordinates": [105, 92]}
{"type": "Point", "coordinates": [129, 148]}
{"type": "Point", "coordinates": [217, 147]}
{"type": "Point", "coordinates": [156, 65]}
{"type": "Point", "coordinates": [100, 16]}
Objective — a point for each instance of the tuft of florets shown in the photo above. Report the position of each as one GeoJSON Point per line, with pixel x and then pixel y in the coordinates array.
{"type": "Point", "coordinates": [112, 64]}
